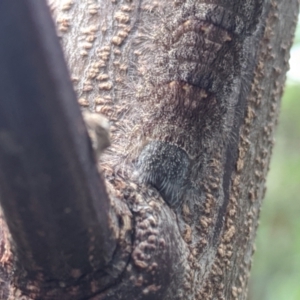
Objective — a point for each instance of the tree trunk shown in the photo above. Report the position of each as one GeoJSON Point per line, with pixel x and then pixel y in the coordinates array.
{"type": "Point", "coordinates": [192, 92]}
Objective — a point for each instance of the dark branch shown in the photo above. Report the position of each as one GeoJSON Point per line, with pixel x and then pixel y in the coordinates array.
{"type": "Point", "coordinates": [52, 196]}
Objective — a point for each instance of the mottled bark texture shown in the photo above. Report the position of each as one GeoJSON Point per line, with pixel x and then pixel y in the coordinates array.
{"type": "Point", "coordinates": [192, 90]}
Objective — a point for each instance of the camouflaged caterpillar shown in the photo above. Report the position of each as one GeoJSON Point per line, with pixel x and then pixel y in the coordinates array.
{"type": "Point", "coordinates": [196, 64]}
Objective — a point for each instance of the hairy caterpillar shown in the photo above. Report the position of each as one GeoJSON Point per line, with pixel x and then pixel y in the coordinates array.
{"type": "Point", "coordinates": [194, 64]}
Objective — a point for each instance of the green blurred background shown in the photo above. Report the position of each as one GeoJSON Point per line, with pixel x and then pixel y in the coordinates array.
{"type": "Point", "coordinates": [276, 266]}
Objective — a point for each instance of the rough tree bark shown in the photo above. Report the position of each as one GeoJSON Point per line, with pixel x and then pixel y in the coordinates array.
{"type": "Point", "coordinates": [192, 90]}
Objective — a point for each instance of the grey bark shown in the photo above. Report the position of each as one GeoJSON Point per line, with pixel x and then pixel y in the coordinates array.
{"type": "Point", "coordinates": [192, 90]}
